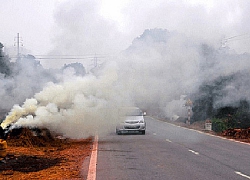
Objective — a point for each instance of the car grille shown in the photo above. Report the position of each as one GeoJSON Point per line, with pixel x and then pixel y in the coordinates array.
{"type": "Point", "coordinates": [132, 127]}
{"type": "Point", "coordinates": [132, 122]}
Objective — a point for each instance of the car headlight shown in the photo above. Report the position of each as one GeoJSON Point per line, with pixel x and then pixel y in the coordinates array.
{"type": "Point", "coordinates": [141, 121]}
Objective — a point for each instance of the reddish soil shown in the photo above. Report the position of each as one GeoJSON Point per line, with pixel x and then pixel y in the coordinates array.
{"type": "Point", "coordinates": [44, 157]}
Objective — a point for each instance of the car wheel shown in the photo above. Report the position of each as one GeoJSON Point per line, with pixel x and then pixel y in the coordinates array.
{"type": "Point", "coordinates": [143, 132]}
{"type": "Point", "coordinates": [118, 132]}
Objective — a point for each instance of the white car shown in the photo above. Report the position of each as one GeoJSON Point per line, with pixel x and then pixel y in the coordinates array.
{"type": "Point", "coordinates": [132, 120]}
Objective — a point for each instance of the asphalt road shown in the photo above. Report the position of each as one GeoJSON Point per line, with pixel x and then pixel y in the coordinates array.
{"type": "Point", "coordinates": [167, 152]}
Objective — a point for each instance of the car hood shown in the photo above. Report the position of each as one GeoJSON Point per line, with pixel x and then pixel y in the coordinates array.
{"type": "Point", "coordinates": [133, 118]}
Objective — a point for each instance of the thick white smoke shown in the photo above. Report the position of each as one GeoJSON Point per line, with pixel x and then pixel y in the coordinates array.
{"type": "Point", "coordinates": [78, 107]}
{"type": "Point", "coordinates": [159, 67]}
{"type": "Point", "coordinates": [27, 78]}
{"type": "Point", "coordinates": [152, 73]}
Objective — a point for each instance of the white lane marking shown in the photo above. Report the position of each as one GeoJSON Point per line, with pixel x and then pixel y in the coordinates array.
{"type": "Point", "coordinates": [243, 175]}
{"type": "Point", "coordinates": [154, 133]}
{"type": "Point", "coordinates": [93, 161]}
{"type": "Point", "coordinates": [192, 151]}
{"type": "Point", "coordinates": [168, 140]}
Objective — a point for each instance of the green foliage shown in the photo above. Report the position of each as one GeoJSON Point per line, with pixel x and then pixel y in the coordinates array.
{"type": "Point", "coordinates": [205, 102]}
{"type": "Point", "coordinates": [241, 118]}
{"type": "Point", "coordinates": [232, 117]}
{"type": "Point", "coordinates": [203, 105]}
{"type": "Point", "coordinates": [218, 125]}
{"type": "Point", "coordinates": [236, 117]}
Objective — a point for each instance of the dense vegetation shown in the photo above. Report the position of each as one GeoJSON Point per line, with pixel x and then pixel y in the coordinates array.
{"type": "Point", "coordinates": [233, 115]}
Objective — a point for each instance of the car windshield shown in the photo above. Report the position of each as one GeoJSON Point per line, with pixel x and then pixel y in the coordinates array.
{"type": "Point", "coordinates": [131, 112]}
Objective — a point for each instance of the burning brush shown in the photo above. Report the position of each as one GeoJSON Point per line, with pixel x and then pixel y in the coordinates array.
{"type": "Point", "coordinates": [3, 144]}
{"type": "Point", "coordinates": [16, 113]}
{"type": "Point", "coordinates": [29, 107]}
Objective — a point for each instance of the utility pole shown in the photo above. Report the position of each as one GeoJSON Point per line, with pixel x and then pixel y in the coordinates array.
{"type": "Point", "coordinates": [189, 104]}
{"type": "Point", "coordinates": [18, 43]}
{"type": "Point", "coordinates": [95, 61]}
{"type": "Point", "coordinates": [1, 50]}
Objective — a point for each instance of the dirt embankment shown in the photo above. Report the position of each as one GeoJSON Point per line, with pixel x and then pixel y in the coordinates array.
{"type": "Point", "coordinates": [44, 157]}
{"type": "Point", "coordinates": [242, 135]}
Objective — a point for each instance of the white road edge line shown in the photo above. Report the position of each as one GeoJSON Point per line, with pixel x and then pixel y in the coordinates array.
{"type": "Point", "coordinates": [192, 151]}
{"type": "Point", "coordinates": [243, 175]}
{"type": "Point", "coordinates": [233, 140]}
{"type": "Point", "coordinates": [93, 161]}
{"type": "Point", "coordinates": [168, 140]}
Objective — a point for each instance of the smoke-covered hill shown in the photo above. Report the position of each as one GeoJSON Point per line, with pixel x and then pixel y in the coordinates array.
{"type": "Point", "coordinates": [162, 66]}
{"type": "Point", "coordinates": [166, 65]}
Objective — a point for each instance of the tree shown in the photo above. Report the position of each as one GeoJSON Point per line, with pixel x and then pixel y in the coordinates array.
{"type": "Point", "coordinates": [209, 92]}
{"type": "Point", "coordinates": [78, 67]}
{"type": "Point", "coordinates": [4, 62]}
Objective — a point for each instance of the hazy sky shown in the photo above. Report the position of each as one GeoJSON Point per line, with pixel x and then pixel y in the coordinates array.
{"type": "Point", "coordinates": [109, 26]}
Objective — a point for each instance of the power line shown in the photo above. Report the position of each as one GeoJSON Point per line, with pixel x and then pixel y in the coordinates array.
{"type": "Point", "coordinates": [234, 38]}
{"type": "Point", "coordinates": [67, 57]}
{"type": "Point", "coordinates": [74, 55]}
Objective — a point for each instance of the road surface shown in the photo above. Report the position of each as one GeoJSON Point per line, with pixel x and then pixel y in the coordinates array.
{"type": "Point", "coordinates": [167, 152]}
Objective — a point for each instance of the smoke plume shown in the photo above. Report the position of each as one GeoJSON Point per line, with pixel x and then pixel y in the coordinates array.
{"type": "Point", "coordinates": [77, 107]}
{"type": "Point", "coordinates": [184, 57]}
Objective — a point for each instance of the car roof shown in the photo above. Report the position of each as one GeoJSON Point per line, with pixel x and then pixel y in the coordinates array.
{"type": "Point", "coordinates": [130, 107]}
